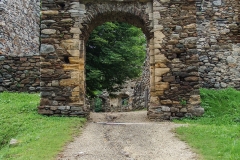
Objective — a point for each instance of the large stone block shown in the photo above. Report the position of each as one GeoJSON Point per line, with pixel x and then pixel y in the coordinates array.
{"type": "Point", "coordinates": [161, 71]}
{"type": "Point", "coordinates": [160, 65]}
{"type": "Point", "coordinates": [74, 99]}
{"type": "Point", "coordinates": [161, 86]}
{"type": "Point", "coordinates": [70, 44]}
{"type": "Point", "coordinates": [69, 82]}
{"type": "Point", "coordinates": [166, 102]}
{"type": "Point", "coordinates": [46, 49]}
{"type": "Point", "coordinates": [192, 79]}
{"type": "Point", "coordinates": [47, 71]}
{"type": "Point", "coordinates": [154, 99]}
{"type": "Point", "coordinates": [73, 67]}
{"type": "Point", "coordinates": [48, 31]}
{"type": "Point", "coordinates": [168, 78]}
{"type": "Point", "coordinates": [75, 75]}
{"type": "Point", "coordinates": [74, 53]}
{"type": "Point", "coordinates": [75, 30]}
{"type": "Point", "coordinates": [190, 26]}
{"type": "Point", "coordinates": [75, 94]}
{"type": "Point", "coordinates": [194, 100]}
{"type": "Point", "coordinates": [50, 12]}
{"type": "Point", "coordinates": [158, 79]}
{"type": "Point", "coordinates": [196, 111]}
{"type": "Point", "coordinates": [158, 37]}
{"type": "Point", "coordinates": [161, 58]}
{"type": "Point", "coordinates": [157, 93]}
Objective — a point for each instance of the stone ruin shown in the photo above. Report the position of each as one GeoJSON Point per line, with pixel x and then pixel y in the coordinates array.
{"type": "Point", "coordinates": [191, 43]}
{"type": "Point", "coordinates": [133, 95]}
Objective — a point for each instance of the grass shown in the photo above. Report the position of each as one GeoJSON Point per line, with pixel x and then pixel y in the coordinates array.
{"type": "Point", "coordinates": [216, 135]}
{"type": "Point", "coordinates": [40, 137]}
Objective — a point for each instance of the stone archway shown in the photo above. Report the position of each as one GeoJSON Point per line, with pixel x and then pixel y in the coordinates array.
{"type": "Point", "coordinates": [171, 37]}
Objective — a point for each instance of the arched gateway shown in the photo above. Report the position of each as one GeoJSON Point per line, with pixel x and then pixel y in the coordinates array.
{"type": "Point", "coordinates": [170, 28]}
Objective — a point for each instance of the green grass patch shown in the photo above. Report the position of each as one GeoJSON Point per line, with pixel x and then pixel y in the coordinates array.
{"type": "Point", "coordinates": [40, 137]}
{"type": "Point", "coordinates": [216, 135]}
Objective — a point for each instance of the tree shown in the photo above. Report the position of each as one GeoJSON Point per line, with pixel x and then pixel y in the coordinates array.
{"type": "Point", "coordinates": [115, 53]}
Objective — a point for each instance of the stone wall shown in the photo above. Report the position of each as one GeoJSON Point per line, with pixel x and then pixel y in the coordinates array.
{"type": "Point", "coordinates": [19, 45]}
{"type": "Point", "coordinates": [174, 59]}
{"type": "Point", "coordinates": [21, 74]}
{"type": "Point", "coordinates": [170, 29]}
{"type": "Point", "coordinates": [65, 28]}
{"type": "Point", "coordinates": [184, 37]}
{"type": "Point", "coordinates": [19, 27]}
{"type": "Point", "coordinates": [141, 94]}
{"type": "Point", "coordinates": [219, 43]}
{"type": "Point", "coordinates": [114, 99]}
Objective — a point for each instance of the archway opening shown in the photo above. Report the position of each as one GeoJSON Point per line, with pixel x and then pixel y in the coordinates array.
{"type": "Point", "coordinates": [116, 64]}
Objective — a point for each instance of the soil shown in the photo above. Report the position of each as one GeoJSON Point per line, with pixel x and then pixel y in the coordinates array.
{"type": "Point", "coordinates": [127, 136]}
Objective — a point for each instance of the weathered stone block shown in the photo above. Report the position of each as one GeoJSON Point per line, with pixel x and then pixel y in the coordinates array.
{"type": "Point", "coordinates": [161, 58]}
{"type": "Point", "coordinates": [50, 12]}
{"type": "Point", "coordinates": [157, 93]}
{"type": "Point", "coordinates": [192, 79]}
{"type": "Point", "coordinates": [161, 86]}
{"type": "Point", "coordinates": [158, 37]}
{"type": "Point", "coordinates": [157, 79]}
{"type": "Point", "coordinates": [183, 110]}
{"type": "Point", "coordinates": [53, 108]}
{"type": "Point", "coordinates": [194, 100]}
{"type": "Point", "coordinates": [74, 53]}
{"type": "Point", "coordinates": [160, 65]}
{"type": "Point", "coordinates": [166, 102]}
{"type": "Point", "coordinates": [73, 67]}
{"type": "Point", "coordinates": [75, 30]}
{"type": "Point", "coordinates": [75, 94]}
{"type": "Point", "coordinates": [75, 75]}
{"type": "Point", "coordinates": [76, 108]}
{"type": "Point", "coordinates": [47, 71]}
{"type": "Point", "coordinates": [76, 60]}
{"type": "Point", "coordinates": [154, 100]}
{"type": "Point", "coordinates": [161, 71]}
{"type": "Point", "coordinates": [55, 83]}
{"type": "Point", "coordinates": [48, 31]}
{"type": "Point", "coordinates": [70, 44]}
{"type": "Point", "coordinates": [46, 49]}
{"type": "Point", "coordinates": [197, 111]}
{"type": "Point", "coordinates": [165, 109]}
{"type": "Point", "coordinates": [74, 99]}
{"type": "Point", "coordinates": [169, 78]}
{"type": "Point", "coordinates": [69, 82]}
{"type": "Point", "coordinates": [190, 26]}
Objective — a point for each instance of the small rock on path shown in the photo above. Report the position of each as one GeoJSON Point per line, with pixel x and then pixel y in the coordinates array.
{"type": "Point", "coordinates": [134, 138]}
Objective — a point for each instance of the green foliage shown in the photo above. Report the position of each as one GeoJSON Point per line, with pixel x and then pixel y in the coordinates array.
{"type": "Point", "coordinates": [98, 105]}
{"type": "Point", "coordinates": [40, 137]}
{"type": "Point", "coordinates": [115, 53]}
{"type": "Point", "coordinates": [183, 102]}
{"type": "Point", "coordinates": [216, 135]}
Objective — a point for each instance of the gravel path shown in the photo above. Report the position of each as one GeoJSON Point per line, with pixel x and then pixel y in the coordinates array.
{"type": "Point", "coordinates": [134, 138]}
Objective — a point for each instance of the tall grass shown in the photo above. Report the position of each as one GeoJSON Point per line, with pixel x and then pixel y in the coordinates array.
{"type": "Point", "coordinates": [216, 135]}
{"type": "Point", "coordinates": [40, 137]}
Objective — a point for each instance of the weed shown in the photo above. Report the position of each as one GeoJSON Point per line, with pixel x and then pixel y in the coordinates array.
{"type": "Point", "coordinates": [183, 102]}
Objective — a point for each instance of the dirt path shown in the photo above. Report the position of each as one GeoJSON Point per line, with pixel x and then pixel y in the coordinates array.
{"type": "Point", "coordinates": [135, 138]}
